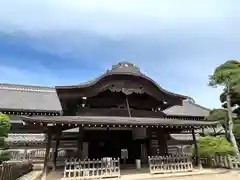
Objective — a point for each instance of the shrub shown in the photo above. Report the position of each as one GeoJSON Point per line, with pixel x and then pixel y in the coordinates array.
{"type": "Point", "coordinates": [4, 156]}
{"type": "Point", "coordinates": [210, 146]}
{"type": "Point", "coordinates": [5, 126]}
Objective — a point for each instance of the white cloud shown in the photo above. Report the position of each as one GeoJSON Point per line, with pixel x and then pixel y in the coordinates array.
{"type": "Point", "coordinates": [118, 16]}
{"type": "Point", "coordinates": [184, 25]}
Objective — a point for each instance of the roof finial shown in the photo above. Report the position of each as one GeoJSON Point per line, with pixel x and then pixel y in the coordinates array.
{"type": "Point", "coordinates": [125, 66]}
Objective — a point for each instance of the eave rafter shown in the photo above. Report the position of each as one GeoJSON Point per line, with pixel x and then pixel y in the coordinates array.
{"type": "Point", "coordinates": [30, 113]}
{"type": "Point", "coordinates": [46, 126]}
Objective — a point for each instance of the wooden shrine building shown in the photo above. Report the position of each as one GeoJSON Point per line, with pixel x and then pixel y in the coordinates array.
{"type": "Point", "coordinates": [121, 109]}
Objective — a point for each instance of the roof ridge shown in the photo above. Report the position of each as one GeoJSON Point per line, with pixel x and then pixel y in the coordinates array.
{"type": "Point", "coordinates": [31, 88]}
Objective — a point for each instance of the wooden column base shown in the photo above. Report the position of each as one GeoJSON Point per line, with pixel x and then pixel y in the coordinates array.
{"type": "Point", "coordinates": [197, 159]}
{"type": "Point", "coordinates": [45, 168]}
{"type": "Point", "coordinates": [55, 154]}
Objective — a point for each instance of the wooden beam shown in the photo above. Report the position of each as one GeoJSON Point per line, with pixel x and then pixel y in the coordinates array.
{"type": "Point", "coordinates": [48, 146]}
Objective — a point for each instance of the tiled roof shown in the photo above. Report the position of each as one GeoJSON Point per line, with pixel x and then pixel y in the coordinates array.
{"type": "Point", "coordinates": [25, 138]}
{"type": "Point", "coordinates": [33, 98]}
{"type": "Point", "coordinates": [188, 109]}
{"type": "Point", "coordinates": [187, 136]}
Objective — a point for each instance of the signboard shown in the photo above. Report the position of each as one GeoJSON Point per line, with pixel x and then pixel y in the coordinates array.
{"type": "Point", "coordinates": [124, 154]}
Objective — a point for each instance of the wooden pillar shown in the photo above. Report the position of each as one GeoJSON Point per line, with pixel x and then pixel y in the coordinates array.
{"type": "Point", "coordinates": [158, 141]}
{"type": "Point", "coordinates": [196, 154]}
{"type": "Point", "coordinates": [214, 130]}
{"type": "Point", "coordinates": [151, 148]}
{"type": "Point", "coordinates": [55, 154]}
{"type": "Point", "coordinates": [162, 141]}
{"type": "Point", "coordinates": [25, 152]}
{"type": "Point", "coordinates": [80, 143]}
{"type": "Point", "coordinates": [48, 146]}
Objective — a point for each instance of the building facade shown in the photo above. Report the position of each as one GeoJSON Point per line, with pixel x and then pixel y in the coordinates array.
{"type": "Point", "coordinates": [120, 110]}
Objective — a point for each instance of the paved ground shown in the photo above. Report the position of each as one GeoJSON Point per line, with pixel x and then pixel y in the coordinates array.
{"type": "Point", "coordinates": [33, 175]}
{"type": "Point", "coordinates": [207, 175]}
{"type": "Point", "coordinates": [225, 176]}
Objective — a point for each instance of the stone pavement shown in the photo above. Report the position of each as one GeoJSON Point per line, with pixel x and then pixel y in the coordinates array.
{"type": "Point", "coordinates": [220, 176]}
{"type": "Point", "coordinates": [196, 173]}
{"type": "Point", "coordinates": [33, 175]}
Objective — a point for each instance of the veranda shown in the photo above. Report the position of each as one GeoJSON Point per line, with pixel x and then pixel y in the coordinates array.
{"type": "Point", "coordinates": [75, 166]}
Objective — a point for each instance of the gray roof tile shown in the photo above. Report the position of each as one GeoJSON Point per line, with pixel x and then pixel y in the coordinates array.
{"type": "Point", "coordinates": [188, 109]}
{"type": "Point", "coordinates": [33, 98]}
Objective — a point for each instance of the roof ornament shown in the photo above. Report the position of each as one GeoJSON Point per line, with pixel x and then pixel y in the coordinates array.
{"type": "Point", "coordinates": [125, 67]}
{"type": "Point", "coordinates": [190, 99]}
{"type": "Point", "coordinates": [126, 88]}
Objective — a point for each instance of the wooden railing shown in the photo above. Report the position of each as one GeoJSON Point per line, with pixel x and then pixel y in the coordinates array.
{"type": "Point", "coordinates": [170, 163]}
{"type": "Point", "coordinates": [12, 171]}
{"type": "Point", "coordinates": [230, 162]}
{"type": "Point", "coordinates": [91, 169]}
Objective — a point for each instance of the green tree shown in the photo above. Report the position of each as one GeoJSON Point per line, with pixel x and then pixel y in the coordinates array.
{"type": "Point", "coordinates": [227, 76]}
{"type": "Point", "coordinates": [229, 71]}
{"type": "Point", "coordinates": [221, 115]}
{"type": "Point", "coordinates": [5, 126]}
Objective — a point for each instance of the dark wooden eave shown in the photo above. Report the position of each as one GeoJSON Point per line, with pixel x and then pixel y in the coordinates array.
{"type": "Point", "coordinates": [97, 120]}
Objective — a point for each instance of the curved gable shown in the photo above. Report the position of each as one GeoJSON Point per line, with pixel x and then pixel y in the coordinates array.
{"type": "Point", "coordinates": [128, 74]}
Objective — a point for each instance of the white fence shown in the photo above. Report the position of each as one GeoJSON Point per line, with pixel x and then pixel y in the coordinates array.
{"type": "Point", "coordinates": [230, 162]}
{"type": "Point", "coordinates": [90, 169]}
{"type": "Point", "coordinates": [36, 156]}
{"type": "Point", "coordinates": [234, 162]}
{"type": "Point", "coordinates": [12, 171]}
{"type": "Point", "coordinates": [170, 163]}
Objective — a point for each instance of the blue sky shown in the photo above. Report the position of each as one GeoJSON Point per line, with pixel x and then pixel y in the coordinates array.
{"type": "Point", "coordinates": [176, 43]}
